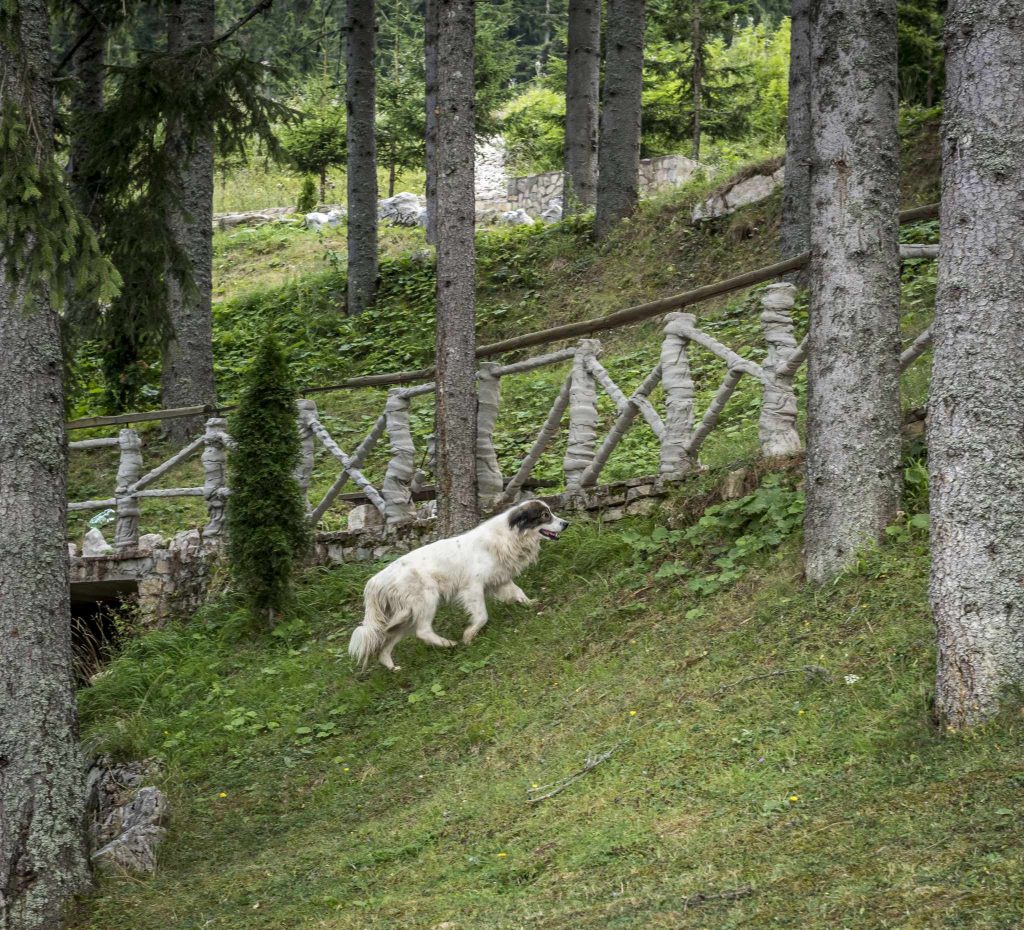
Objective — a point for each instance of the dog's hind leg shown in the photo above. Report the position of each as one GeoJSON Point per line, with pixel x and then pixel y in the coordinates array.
{"type": "Point", "coordinates": [394, 635]}
{"type": "Point", "coordinates": [423, 616]}
{"type": "Point", "coordinates": [473, 600]}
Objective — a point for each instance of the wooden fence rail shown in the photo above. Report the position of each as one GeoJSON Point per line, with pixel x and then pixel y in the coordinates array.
{"type": "Point", "coordinates": [680, 432]}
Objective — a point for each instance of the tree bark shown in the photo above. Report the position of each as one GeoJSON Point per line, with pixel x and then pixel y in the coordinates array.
{"type": "Point", "coordinates": [975, 416]}
{"type": "Point", "coordinates": [362, 155]}
{"type": "Point", "coordinates": [618, 177]}
{"type": "Point", "coordinates": [456, 270]}
{"type": "Point", "coordinates": [187, 376]}
{"type": "Point", "coordinates": [795, 234]}
{"type": "Point", "coordinates": [697, 76]}
{"type": "Point", "coordinates": [853, 407]}
{"type": "Point", "coordinates": [42, 856]}
{"type": "Point", "coordinates": [430, 39]}
{"type": "Point", "coordinates": [582, 90]}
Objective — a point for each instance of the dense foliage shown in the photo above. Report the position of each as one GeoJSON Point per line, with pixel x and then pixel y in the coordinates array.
{"type": "Point", "coordinates": [267, 527]}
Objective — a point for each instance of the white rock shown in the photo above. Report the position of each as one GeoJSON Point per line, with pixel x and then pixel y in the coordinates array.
{"type": "Point", "coordinates": [95, 545]}
{"type": "Point", "coordinates": [401, 210]}
{"type": "Point", "coordinates": [364, 516]}
{"type": "Point", "coordinates": [749, 190]}
{"type": "Point", "coordinates": [72, 550]}
{"type": "Point", "coordinates": [335, 217]}
{"type": "Point", "coordinates": [553, 213]}
{"type": "Point", "coordinates": [150, 541]}
{"type": "Point", "coordinates": [515, 218]}
{"type": "Point", "coordinates": [316, 221]}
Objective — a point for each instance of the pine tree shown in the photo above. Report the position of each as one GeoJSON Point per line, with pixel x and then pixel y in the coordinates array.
{"type": "Point", "coordinates": [618, 154]}
{"type": "Point", "coordinates": [795, 233]}
{"type": "Point", "coordinates": [975, 416]}
{"type": "Point", "coordinates": [853, 387]}
{"type": "Point", "coordinates": [360, 105]}
{"type": "Point", "coordinates": [582, 91]}
{"type": "Point", "coordinates": [458, 509]}
{"type": "Point", "coordinates": [49, 250]}
{"type": "Point", "coordinates": [267, 528]}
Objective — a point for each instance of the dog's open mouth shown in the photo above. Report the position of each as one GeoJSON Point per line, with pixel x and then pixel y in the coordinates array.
{"type": "Point", "coordinates": [549, 534]}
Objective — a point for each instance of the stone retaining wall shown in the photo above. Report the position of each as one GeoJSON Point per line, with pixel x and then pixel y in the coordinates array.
{"type": "Point", "coordinates": [535, 192]}
{"type": "Point", "coordinates": [173, 578]}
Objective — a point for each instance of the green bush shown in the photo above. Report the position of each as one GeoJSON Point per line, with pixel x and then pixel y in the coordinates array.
{"type": "Point", "coordinates": [307, 196]}
{"type": "Point", "coordinates": [266, 516]}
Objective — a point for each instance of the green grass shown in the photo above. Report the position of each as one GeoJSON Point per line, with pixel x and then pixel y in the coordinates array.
{"type": "Point", "coordinates": [753, 784]}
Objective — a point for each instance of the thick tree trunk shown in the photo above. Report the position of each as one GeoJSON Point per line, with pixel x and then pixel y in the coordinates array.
{"type": "Point", "coordinates": [697, 76]}
{"type": "Point", "coordinates": [582, 91]}
{"type": "Point", "coordinates": [457, 507]}
{"type": "Point", "coordinates": [975, 412]}
{"type": "Point", "coordinates": [853, 407]}
{"type": "Point", "coordinates": [42, 856]}
{"type": "Point", "coordinates": [187, 376]}
{"type": "Point", "coordinates": [430, 39]}
{"type": "Point", "coordinates": [795, 235]}
{"type": "Point", "coordinates": [360, 103]}
{"type": "Point", "coordinates": [618, 177]}
{"type": "Point", "coordinates": [86, 106]}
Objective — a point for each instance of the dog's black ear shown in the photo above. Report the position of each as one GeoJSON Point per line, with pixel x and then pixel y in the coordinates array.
{"type": "Point", "coordinates": [528, 516]}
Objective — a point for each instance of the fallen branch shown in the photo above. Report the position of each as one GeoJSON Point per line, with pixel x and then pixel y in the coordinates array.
{"type": "Point", "coordinates": [558, 787]}
{"type": "Point", "coordinates": [810, 671]}
{"type": "Point", "coordinates": [702, 897]}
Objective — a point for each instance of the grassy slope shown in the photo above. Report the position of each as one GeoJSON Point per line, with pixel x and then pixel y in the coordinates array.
{"type": "Point", "coordinates": [742, 792]}
{"type": "Point", "coordinates": [305, 797]}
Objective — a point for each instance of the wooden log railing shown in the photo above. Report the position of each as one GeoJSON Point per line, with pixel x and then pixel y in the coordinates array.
{"type": "Point", "coordinates": [679, 430]}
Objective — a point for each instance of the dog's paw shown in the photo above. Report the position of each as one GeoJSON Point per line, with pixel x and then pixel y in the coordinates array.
{"type": "Point", "coordinates": [447, 643]}
{"type": "Point", "coordinates": [469, 636]}
{"type": "Point", "coordinates": [525, 601]}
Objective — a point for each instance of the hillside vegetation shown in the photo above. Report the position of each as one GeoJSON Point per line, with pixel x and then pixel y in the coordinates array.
{"type": "Point", "coordinates": [772, 761]}
{"type": "Point", "coordinates": [529, 278]}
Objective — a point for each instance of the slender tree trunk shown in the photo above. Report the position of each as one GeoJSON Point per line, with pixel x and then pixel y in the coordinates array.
{"type": "Point", "coordinates": [362, 155]}
{"type": "Point", "coordinates": [430, 40]}
{"type": "Point", "coordinates": [392, 171]}
{"type": "Point", "coordinates": [618, 156]}
{"type": "Point", "coordinates": [853, 406]}
{"type": "Point", "coordinates": [86, 106]}
{"type": "Point", "coordinates": [457, 508]}
{"type": "Point", "coordinates": [697, 76]}
{"type": "Point", "coordinates": [795, 235]}
{"type": "Point", "coordinates": [42, 803]}
{"type": "Point", "coordinates": [187, 377]}
{"type": "Point", "coordinates": [582, 91]}
{"type": "Point", "coordinates": [975, 413]}
{"type": "Point", "coordinates": [323, 186]}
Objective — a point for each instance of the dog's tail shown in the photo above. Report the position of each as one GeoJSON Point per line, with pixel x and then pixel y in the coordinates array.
{"type": "Point", "coordinates": [368, 638]}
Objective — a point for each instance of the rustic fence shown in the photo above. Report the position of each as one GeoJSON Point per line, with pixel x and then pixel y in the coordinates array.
{"type": "Point", "coordinates": [680, 432]}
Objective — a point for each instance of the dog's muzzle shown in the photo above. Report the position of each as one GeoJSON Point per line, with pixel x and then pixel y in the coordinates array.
{"type": "Point", "coordinates": [549, 534]}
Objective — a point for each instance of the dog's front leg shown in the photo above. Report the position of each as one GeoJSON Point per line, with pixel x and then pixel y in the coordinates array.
{"type": "Point", "coordinates": [511, 593]}
{"type": "Point", "coordinates": [473, 601]}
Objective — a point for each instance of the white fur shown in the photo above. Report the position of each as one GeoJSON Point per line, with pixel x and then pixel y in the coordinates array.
{"type": "Point", "coordinates": [403, 597]}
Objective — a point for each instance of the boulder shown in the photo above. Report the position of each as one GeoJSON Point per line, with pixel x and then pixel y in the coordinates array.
{"type": "Point", "coordinates": [94, 545]}
{"type": "Point", "coordinates": [317, 221]}
{"type": "Point", "coordinates": [126, 817]}
{"type": "Point", "coordinates": [364, 517]}
{"type": "Point", "coordinates": [403, 209]}
{"type": "Point", "coordinates": [553, 213]}
{"type": "Point", "coordinates": [748, 190]}
{"type": "Point", "coordinates": [515, 218]}
{"type": "Point", "coordinates": [151, 541]}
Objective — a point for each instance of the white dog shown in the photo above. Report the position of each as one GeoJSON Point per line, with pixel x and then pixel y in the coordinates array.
{"type": "Point", "coordinates": [404, 597]}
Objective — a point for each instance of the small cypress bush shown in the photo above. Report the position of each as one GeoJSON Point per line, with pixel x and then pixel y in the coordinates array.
{"type": "Point", "coordinates": [267, 524]}
{"type": "Point", "coordinates": [307, 196]}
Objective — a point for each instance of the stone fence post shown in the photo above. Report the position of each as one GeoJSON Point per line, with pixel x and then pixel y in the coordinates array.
{"type": "Point", "coordinates": [129, 470]}
{"type": "Point", "coordinates": [777, 428]}
{"type": "Point", "coordinates": [397, 487]}
{"type": "Point", "coordinates": [488, 473]}
{"type": "Point", "coordinates": [678, 387]}
{"type": "Point", "coordinates": [307, 447]}
{"type": "Point", "coordinates": [579, 452]}
{"type": "Point", "coordinates": [215, 480]}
